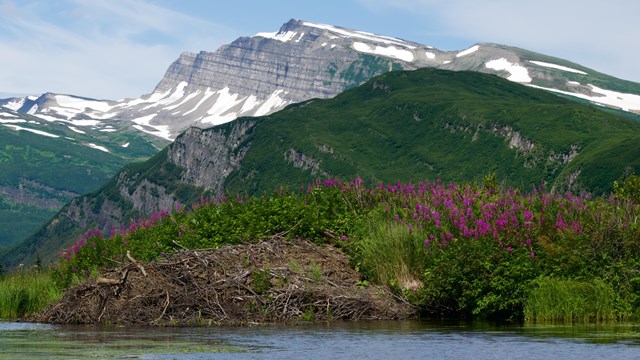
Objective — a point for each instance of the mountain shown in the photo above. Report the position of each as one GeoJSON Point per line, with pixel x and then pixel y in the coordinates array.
{"type": "Point", "coordinates": [252, 76]}
{"type": "Point", "coordinates": [400, 126]}
{"type": "Point", "coordinates": [45, 164]}
{"type": "Point", "coordinates": [258, 75]}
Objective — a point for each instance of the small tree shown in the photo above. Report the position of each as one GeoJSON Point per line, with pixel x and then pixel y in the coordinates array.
{"type": "Point", "coordinates": [629, 188]}
{"type": "Point", "coordinates": [38, 264]}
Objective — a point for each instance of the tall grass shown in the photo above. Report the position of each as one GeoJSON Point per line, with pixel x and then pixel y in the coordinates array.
{"type": "Point", "coordinates": [390, 254]}
{"type": "Point", "coordinates": [22, 294]}
{"type": "Point", "coordinates": [570, 300]}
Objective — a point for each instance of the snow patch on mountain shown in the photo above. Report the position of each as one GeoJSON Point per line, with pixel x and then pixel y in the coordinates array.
{"type": "Point", "coordinates": [274, 101]}
{"type": "Point", "coordinates": [76, 130]}
{"type": "Point", "coordinates": [468, 51]}
{"type": "Point", "coordinates": [207, 94]}
{"type": "Point", "coordinates": [559, 67]}
{"type": "Point", "coordinates": [390, 51]}
{"type": "Point", "coordinates": [220, 112]}
{"type": "Point", "coordinates": [184, 100]}
{"type": "Point", "coordinates": [518, 73]}
{"type": "Point", "coordinates": [360, 35]}
{"type": "Point", "coordinates": [283, 36]}
{"type": "Point", "coordinates": [144, 124]}
{"type": "Point", "coordinates": [80, 105]}
{"type": "Point", "coordinates": [12, 121]}
{"type": "Point", "coordinates": [14, 104]}
{"type": "Point", "coordinates": [39, 132]}
{"type": "Point", "coordinates": [626, 102]}
{"type": "Point", "coordinates": [101, 148]}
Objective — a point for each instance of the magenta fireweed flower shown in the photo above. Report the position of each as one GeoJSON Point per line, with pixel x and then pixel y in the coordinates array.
{"type": "Point", "coordinates": [532, 255]}
{"type": "Point", "coordinates": [343, 237]}
{"type": "Point", "coordinates": [409, 228]}
{"type": "Point", "coordinates": [527, 215]}
{"type": "Point", "coordinates": [509, 249]}
{"type": "Point", "coordinates": [483, 227]}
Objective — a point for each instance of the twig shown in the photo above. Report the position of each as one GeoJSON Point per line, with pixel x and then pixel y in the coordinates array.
{"type": "Point", "coordinates": [106, 281]}
{"type": "Point", "coordinates": [166, 305]}
{"type": "Point", "coordinates": [136, 263]}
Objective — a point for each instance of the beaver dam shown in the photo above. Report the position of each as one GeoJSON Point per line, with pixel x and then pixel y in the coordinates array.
{"type": "Point", "coordinates": [274, 281]}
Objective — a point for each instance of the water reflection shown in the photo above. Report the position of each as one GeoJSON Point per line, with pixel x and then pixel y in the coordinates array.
{"type": "Point", "coordinates": [339, 340]}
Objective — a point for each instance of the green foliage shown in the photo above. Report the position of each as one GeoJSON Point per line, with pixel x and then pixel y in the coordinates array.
{"type": "Point", "coordinates": [464, 251]}
{"type": "Point", "coordinates": [213, 223]}
{"type": "Point", "coordinates": [387, 253]}
{"type": "Point", "coordinates": [570, 300]}
{"type": "Point", "coordinates": [477, 278]}
{"type": "Point", "coordinates": [24, 293]}
{"type": "Point", "coordinates": [629, 188]}
{"type": "Point", "coordinates": [260, 280]}
{"type": "Point", "coordinates": [315, 272]}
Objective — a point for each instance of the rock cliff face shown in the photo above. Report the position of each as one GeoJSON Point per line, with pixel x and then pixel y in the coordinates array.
{"type": "Point", "coordinates": [208, 157]}
{"type": "Point", "coordinates": [195, 165]}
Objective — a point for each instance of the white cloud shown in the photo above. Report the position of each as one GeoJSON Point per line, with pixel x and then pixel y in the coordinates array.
{"type": "Point", "coordinates": [100, 48]}
{"type": "Point", "coordinates": [598, 34]}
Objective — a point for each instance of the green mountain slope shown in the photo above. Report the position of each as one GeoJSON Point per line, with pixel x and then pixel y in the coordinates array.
{"type": "Point", "coordinates": [452, 125]}
{"type": "Point", "coordinates": [401, 126]}
{"type": "Point", "coordinates": [43, 165]}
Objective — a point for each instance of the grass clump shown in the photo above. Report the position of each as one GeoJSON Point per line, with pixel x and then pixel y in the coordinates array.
{"type": "Point", "coordinates": [24, 293]}
{"type": "Point", "coordinates": [571, 300]}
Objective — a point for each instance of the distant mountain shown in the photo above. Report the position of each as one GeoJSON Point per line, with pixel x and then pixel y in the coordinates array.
{"type": "Point", "coordinates": [258, 75]}
{"type": "Point", "coordinates": [45, 164]}
{"type": "Point", "coordinates": [401, 126]}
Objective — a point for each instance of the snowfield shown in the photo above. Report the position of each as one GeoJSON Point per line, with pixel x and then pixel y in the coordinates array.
{"type": "Point", "coordinates": [559, 67]}
{"type": "Point", "coordinates": [390, 51]}
{"type": "Point", "coordinates": [518, 73]}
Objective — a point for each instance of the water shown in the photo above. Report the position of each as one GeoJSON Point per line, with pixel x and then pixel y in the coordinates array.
{"type": "Point", "coordinates": [339, 340]}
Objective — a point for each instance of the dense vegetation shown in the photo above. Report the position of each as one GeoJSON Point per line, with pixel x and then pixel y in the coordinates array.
{"type": "Point", "coordinates": [454, 250]}
{"type": "Point", "coordinates": [39, 174]}
{"type": "Point", "coordinates": [401, 126]}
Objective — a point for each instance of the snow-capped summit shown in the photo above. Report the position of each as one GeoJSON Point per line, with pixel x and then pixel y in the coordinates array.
{"type": "Point", "coordinates": [260, 74]}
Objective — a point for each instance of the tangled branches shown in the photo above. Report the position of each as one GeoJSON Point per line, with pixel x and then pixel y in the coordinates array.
{"type": "Point", "coordinates": [269, 282]}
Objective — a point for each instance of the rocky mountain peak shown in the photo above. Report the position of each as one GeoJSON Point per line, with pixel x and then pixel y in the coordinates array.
{"type": "Point", "coordinates": [257, 75]}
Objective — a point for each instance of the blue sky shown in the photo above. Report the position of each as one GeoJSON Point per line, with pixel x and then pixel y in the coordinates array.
{"type": "Point", "coordinates": [113, 49]}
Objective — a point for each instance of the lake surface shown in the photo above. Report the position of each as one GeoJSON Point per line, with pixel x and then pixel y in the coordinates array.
{"type": "Point", "coordinates": [338, 340]}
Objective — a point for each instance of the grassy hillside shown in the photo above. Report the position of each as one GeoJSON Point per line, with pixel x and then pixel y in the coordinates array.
{"type": "Point", "coordinates": [401, 126]}
{"type": "Point", "coordinates": [39, 173]}
{"type": "Point", "coordinates": [452, 125]}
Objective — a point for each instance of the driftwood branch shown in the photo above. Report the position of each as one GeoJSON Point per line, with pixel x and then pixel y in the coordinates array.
{"type": "Point", "coordinates": [136, 263]}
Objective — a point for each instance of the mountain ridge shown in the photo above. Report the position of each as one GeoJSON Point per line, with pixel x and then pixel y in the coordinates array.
{"type": "Point", "coordinates": [257, 75]}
